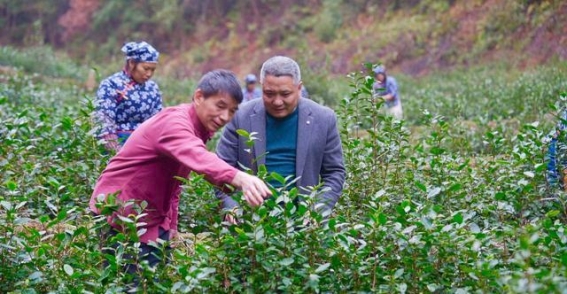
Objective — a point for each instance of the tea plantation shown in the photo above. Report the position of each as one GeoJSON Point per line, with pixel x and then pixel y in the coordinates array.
{"type": "Point", "coordinates": [453, 199]}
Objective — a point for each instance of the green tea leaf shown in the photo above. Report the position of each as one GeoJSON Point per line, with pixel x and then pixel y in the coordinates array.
{"type": "Point", "coordinates": [458, 218]}
{"type": "Point", "coordinates": [11, 185]}
{"type": "Point", "coordinates": [421, 186]}
{"type": "Point", "coordinates": [564, 259]}
{"type": "Point", "coordinates": [455, 187]}
{"type": "Point", "coordinates": [7, 205]}
{"type": "Point", "coordinates": [552, 213]}
{"type": "Point", "coordinates": [286, 261]}
{"type": "Point", "coordinates": [243, 133]}
{"type": "Point", "coordinates": [382, 218]}
{"type": "Point", "coordinates": [322, 267]}
{"type": "Point", "coordinates": [68, 269]}
{"type": "Point", "coordinates": [67, 123]}
{"type": "Point", "coordinates": [36, 275]}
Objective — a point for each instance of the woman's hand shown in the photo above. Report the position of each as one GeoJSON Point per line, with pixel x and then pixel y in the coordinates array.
{"type": "Point", "coordinates": [388, 97]}
{"type": "Point", "coordinates": [111, 142]}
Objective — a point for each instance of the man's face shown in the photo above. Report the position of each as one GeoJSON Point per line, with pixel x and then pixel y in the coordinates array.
{"type": "Point", "coordinates": [280, 95]}
{"type": "Point", "coordinates": [215, 111]}
{"type": "Point", "coordinates": [141, 72]}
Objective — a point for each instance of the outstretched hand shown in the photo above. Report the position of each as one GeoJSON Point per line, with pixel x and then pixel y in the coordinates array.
{"type": "Point", "coordinates": [254, 189]}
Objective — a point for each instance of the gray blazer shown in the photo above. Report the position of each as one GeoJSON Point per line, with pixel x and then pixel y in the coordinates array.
{"type": "Point", "coordinates": [319, 156]}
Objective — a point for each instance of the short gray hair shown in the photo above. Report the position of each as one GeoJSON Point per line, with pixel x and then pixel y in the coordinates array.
{"type": "Point", "coordinates": [281, 66]}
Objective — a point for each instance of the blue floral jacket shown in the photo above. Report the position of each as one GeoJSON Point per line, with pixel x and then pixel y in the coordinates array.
{"type": "Point", "coordinates": [122, 104]}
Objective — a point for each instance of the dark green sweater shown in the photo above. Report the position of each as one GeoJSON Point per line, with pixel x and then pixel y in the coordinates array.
{"type": "Point", "coordinates": [281, 145]}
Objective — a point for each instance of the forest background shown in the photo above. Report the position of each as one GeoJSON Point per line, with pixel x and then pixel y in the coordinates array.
{"type": "Point", "coordinates": [328, 38]}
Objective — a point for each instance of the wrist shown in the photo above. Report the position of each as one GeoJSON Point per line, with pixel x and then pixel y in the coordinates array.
{"type": "Point", "coordinates": [110, 136]}
{"type": "Point", "coordinates": [237, 180]}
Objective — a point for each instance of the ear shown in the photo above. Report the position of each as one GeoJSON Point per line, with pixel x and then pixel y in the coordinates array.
{"type": "Point", "coordinates": [299, 85]}
{"type": "Point", "coordinates": [198, 97]}
{"type": "Point", "coordinates": [130, 65]}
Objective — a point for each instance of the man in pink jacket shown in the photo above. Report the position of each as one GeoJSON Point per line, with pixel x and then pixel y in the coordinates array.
{"type": "Point", "coordinates": [172, 144]}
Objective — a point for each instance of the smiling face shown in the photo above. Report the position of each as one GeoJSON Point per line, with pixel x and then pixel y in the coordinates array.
{"type": "Point", "coordinates": [280, 95]}
{"type": "Point", "coordinates": [214, 111]}
{"type": "Point", "coordinates": [141, 72]}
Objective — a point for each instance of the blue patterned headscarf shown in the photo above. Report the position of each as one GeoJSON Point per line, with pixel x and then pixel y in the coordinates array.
{"type": "Point", "coordinates": [140, 52]}
{"type": "Point", "coordinates": [380, 69]}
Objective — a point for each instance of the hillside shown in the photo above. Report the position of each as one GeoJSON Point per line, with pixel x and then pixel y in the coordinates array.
{"type": "Point", "coordinates": [414, 41]}
{"type": "Point", "coordinates": [457, 197]}
{"type": "Point", "coordinates": [327, 37]}
{"type": "Point", "coordinates": [454, 200]}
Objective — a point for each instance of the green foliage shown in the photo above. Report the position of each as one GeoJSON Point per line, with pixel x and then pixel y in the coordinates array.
{"type": "Point", "coordinates": [430, 204]}
{"type": "Point", "coordinates": [504, 19]}
{"type": "Point", "coordinates": [321, 84]}
{"type": "Point", "coordinates": [30, 24]}
{"type": "Point", "coordinates": [329, 21]}
{"type": "Point", "coordinates": [405, 34]}
{"type": "Point", "coordinates": [480, 100]}
{"type": "Point", "coordinates": [41, 60]}
{"type": "Point", "coordinates": [435, 6]}
{"type": "Point", "coordinates": [178, 90]}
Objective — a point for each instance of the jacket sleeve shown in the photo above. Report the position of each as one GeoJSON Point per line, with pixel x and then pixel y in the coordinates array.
{"type": "Point", "coordinates": [177, 140]}
{"type": "Point", "coordinates": [392, 87]}
{"type": "Point", "coordinates": [105, 108]}
{"type": "Point", "coordinates": [227, 150]}
{"type": "Point", "coordinates": [332, 169]}
{"type": "Point", "coordinates": [159, 101]}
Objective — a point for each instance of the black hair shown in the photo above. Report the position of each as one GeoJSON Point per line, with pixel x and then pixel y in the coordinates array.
{"type": "Point", "coordinates": [220, 81]}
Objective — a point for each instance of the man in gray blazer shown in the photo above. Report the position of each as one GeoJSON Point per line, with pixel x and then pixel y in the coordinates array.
{"type": "Point", "coordinates": [294, 136]}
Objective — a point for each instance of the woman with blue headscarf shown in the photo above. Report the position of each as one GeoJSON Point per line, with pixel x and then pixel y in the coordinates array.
{"type": "Point", "coordinates": [128, 98]}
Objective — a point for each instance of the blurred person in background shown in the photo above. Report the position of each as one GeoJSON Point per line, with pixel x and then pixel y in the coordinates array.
{"type": "Point", "coordinates": [557, 154]}
{"type": "Point", "coordinates": [128, 98]}
{"type": "Point", "coordinates": [250, 91]}
{"type": "Point", "coordinates": [385, 87]}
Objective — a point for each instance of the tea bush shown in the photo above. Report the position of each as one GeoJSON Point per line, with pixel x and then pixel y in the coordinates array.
{"type": "Point", "coordinates": [430, 204]}
{"type": "Point", "coordinates": [42, 60]}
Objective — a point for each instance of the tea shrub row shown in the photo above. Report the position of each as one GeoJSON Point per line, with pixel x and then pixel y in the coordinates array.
{"type": "Point", "coordinates": [430, 204]}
